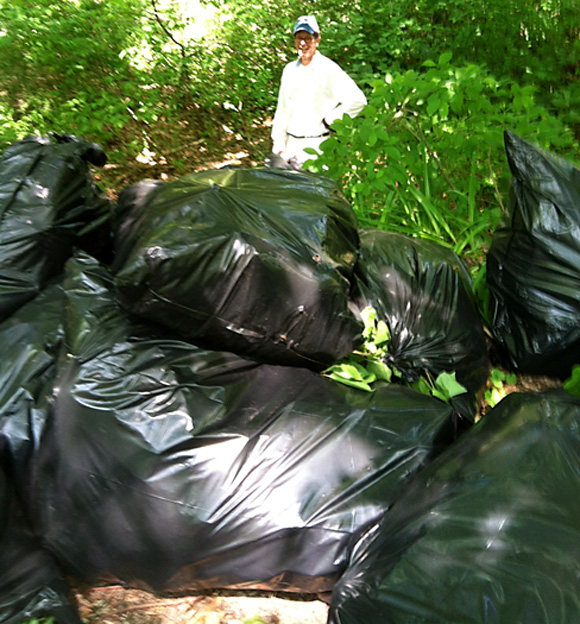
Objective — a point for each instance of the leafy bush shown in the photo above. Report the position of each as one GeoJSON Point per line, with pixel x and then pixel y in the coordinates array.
{"type": "Point", "coordinates": [540, 43]}
{"type": "Point", "coordinates": [426, 157]}
{"type": "Point", "coordinates": [61, 67]}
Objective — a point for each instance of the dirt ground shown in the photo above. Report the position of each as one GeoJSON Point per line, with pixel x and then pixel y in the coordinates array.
{"type": "Point", "coordinates": [117, 605]}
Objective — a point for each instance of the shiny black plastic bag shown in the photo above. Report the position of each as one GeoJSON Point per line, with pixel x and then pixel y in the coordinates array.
{"type": "Point", "coordinates": [489, 533]}
{"type": "Point", "coordinates": [533, 265]}
{"type": "Point", "coordinates": [48, 204]}
{"type": "Point", "coordinates": [254, 261]}
{"type": "Point", "coordinates": [29, 343]}
{"type": "Point", "coordinates": [31, 585]}
{"type": "Point", "coordinates": [170, 467]}
{"type": "Point", "coordinates": [423, 292]}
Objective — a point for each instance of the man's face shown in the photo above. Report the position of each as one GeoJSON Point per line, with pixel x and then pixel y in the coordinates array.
{"type": "Point", "coordinates": [306, 45]}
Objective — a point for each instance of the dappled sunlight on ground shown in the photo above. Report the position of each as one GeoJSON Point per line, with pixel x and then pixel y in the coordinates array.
{"type": "Point", "coordinates": [172, 150]}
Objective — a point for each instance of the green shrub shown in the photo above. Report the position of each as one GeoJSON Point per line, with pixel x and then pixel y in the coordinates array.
{"type": "Point", "coordinates": [426, 157]}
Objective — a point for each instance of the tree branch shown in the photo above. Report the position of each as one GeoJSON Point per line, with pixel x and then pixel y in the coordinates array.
{"type": "Point", "coordinates": [167, 31]}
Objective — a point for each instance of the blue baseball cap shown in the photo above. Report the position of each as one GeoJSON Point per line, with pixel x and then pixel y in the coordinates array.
{"type": "Point", "coordinates": [307, 23]}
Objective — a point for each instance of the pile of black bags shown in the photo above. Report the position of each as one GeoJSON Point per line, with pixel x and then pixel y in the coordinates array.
{"type": "Point", "coordinates": [164, 423]}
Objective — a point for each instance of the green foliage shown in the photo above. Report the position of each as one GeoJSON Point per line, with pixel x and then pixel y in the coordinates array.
{"type": "Point", "coordinates": [540, 43]}
{"type": "Point", "coordinates": [479, 286]}
{"type": "Point", "coordinates": [369, 365]}
{"type": "Point", "coordinates": [426, 157]}
{"type": "Point", "coordinates": [117, 71]}
{"type": "Point", "coordinates": [255, 620]}
{"type": "Point", "coordinates": [366, 366]}
{"type": "Point", "coordinates": [64, 68]}
{"type": "Point", "coordinates": [48, 620]}
{"type": "Point", "coordinates": [445, 386]}
{"type": "Point", "coordinates": [498, 379]}
{"type": "Point", "coordinates": [572, 384]}
{"type": "Point", "coordinates": [374, 40]}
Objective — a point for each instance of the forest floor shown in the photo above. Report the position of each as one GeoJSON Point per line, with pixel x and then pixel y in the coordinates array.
{"type": "Point", "coordinates": [119, 605]}
{"type": "Point", "coordinates": [186, 155]}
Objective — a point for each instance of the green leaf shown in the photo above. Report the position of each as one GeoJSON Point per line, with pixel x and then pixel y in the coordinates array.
{"type": "Point", "coordinates": [350, 371]}
{"type": "Point", "coordinates": [511, 379]}
{"type": "Point", "coordinates": [360, 385]}
{"type": "Point", "coordinates": [380, 369]}
{"type": "Point", "coordinates": [368, 316]}
{"type": "Point", "coordinates": [433, 104]}
{"type": "Point", "coordinates": [457, 103]}
{"type": "Point", "coordinates": [494, 396]}
{"type": "Point", "coordinates": [439, 395]}
{"type": "Point", "coordinates": [497, 377]}
{"type": "Point", "coordinates": [421, 386]}
{"type": "Point", "coordinates": [383, 335]}
{"type": "Point", "coordinates": [572, 385]}
{"type": "Point", "coordinates": [393, 152]}
{"type": "Point", "coordinates": [448, 386]}
{"type": "Point", "coordinates": [444, 59]}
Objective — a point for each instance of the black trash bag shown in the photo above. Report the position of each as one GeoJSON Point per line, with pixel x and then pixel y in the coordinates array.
{"type": "Point", "coordinates": [253, 261]}
{"type": "Point", "coordinates": [533, 265]}
{"type": "Point", "coordinates": [31, 586]}
{"type": "Point", "coordinates": [173, 468]}
{"type": "Point", "coordinates": [488, 533]}
{"type": "Point", "coordinates": [29, 343]}
{"type": "Point", "coordinates": [48, 204]}
{"type": "Point", "coordinates": [422, 290]}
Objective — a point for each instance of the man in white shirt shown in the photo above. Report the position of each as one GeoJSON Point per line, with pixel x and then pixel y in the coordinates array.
{"type": "Point", "coordinates": [314, 92]}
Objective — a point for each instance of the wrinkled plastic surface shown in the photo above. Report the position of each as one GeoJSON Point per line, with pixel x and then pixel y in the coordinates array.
{"type": "Point", "coordinates": [132, 453]}
{"type": "Point", "coordinates": [175, 468]}
{"type": "Point", "coordinates": [48, 204]}
{"type": "Point", "coordinates": [533, 265]}
{"type": "Point", "coordinates": [31, 585]}
{"type": "Point", "coordinates": [254, 261]}
{"type": "Point", "coordinates": [423, 291]}
{"type": "Point", "coordinates": [489, 533]}
{"type": "Point", "coordinates": [29, 341]}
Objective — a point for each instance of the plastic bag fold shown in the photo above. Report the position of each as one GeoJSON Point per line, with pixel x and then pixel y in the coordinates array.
{"type": "Point", "coordinates": [254, 261]}
{"type": "Point", "coordinates": [533, 265]}
{"type": "Point", "coordinates": [487, 533]}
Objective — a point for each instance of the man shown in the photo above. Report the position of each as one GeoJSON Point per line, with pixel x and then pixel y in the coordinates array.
{"type": "Point", "coordinates": [314, 92]}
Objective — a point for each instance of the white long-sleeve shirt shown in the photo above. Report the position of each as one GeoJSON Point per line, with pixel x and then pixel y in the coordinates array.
{"type": "Point", "coordinates": [310, 94]}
